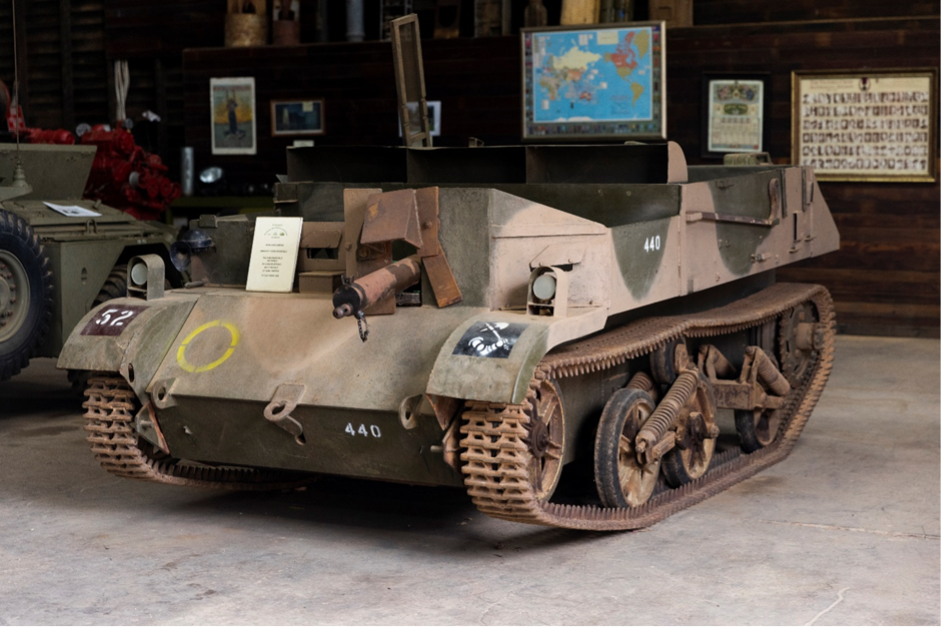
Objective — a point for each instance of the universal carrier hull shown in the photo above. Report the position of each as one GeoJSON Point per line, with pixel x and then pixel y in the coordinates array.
{"type": "Point", "coordinates": [602, 314]}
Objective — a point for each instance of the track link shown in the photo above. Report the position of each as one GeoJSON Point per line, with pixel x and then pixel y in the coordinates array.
{"type": "Point", "coordinates": [496, 458]}
{"type": "Point", "coordinates": [110, 406]}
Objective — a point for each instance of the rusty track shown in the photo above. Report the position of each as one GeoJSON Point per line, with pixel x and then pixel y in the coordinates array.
{"type": "Point", "coordinates": [110, 406]}
{"type": "Point", "coordinates": [497, 459]}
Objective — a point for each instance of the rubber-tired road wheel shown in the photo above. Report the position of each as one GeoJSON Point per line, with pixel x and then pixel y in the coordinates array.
{"type": "Point", "coordinates": [620, 479]}
{"type": "Point", "coordinates": [662, 361]}
{"type": "Point", "coordinates": [115, 286]}
{"type": "Point", "coordinates": [25, 294]}
{"type": "Point", "coordinates": [757, 428]}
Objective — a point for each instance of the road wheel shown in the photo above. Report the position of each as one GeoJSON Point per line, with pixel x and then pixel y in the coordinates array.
{"type": "Point", "coordinates": [545, 439]}
{"type": "Point", "coordinates": [691, 456]}
{"type": "Point", "coordinates": [757, 428]}
{"type": "Point", "coordinates": [25, 294]}
{"type": "Point", "coordinates": [620, 479]}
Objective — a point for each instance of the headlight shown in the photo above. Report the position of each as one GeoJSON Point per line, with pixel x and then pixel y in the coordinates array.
{"type": "Point", "coordinates": [146, 276]}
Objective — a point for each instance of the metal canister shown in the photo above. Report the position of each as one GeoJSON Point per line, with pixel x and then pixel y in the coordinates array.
{"type": "Point", "coordinates": [186, 171]}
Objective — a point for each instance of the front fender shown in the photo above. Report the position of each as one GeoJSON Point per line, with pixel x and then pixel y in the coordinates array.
{"type": "Point", "coordinates": [128, 336]}
{"type": "Point", "coordinates": [491, 358]}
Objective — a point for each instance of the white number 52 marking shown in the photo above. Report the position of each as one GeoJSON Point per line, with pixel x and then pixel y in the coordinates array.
{"type": "Point", "coordinates": [652, 244]}
{"type": "Point", "coordinates": [106, 317]}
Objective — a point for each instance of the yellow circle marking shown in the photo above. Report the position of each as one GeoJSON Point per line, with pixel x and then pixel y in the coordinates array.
{"type": "Point", "coordinates": [187, 366]}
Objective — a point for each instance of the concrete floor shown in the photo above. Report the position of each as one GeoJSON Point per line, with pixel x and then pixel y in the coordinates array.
{"type": "Point", "coordinates": [844, 532]}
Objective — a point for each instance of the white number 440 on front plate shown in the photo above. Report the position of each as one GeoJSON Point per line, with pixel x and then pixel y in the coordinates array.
{"type": "Point", "coordinates": [364, 430]}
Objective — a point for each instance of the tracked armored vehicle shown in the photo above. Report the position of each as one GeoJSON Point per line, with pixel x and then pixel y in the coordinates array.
{"type": "Point", "coordinates": [54, 267]}
{"type": "Point", "coordinates": [488, 318]}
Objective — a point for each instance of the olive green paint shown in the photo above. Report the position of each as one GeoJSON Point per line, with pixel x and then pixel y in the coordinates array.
{"type": "Point", "coordinates": [236, 432]}
{"type": "Point", "coordinates": [70, 262]}
{"type": "Point", "coordinates": [608, 204]}
{"type": "Point", "coordinates": [54, 171]}
{"type": "Point", "coordinates": [742, 196]}
{"type": "Point", "coordinates": [709, 173]}
{"type": "Point", "coordinates": [465, 234]}
{"type": "Point", "coordinates": [639, 267]}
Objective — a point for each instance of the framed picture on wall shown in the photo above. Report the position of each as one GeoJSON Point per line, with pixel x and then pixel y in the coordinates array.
{"type": "Point", "coordinates": [602, 82]}
{"type": "Point", "coordinates": [232, 116]}
{"type": "Point", "coordinates": [866, 125]}
{"type": "Point", "coordinates": [434, 111]}
{"type": "Point", "coordinates": [298, 117]}
{"type": "Point", "coordinates": [734, 111]}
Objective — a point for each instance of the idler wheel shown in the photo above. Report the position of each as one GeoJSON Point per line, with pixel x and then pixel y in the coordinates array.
{"type": "Point", "coordinates": [758, 428]}
{"type": "Point", "coordinates": [796, 342]}
{"type": "Point", "coordinates": [620, 479]}
{"type": "Point", "coordinates": [691, 456]}
{"type": "Point", "coordinates": [546, 438]}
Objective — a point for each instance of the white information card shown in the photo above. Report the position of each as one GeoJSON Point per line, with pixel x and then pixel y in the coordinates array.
{"type": "Point", "coordinates": [71, 210]}
{"type": "Point", "coordinates": [274, 254]}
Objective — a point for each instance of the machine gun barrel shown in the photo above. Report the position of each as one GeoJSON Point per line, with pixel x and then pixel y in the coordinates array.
{"type": "Point", "coordinates": [356, 296]}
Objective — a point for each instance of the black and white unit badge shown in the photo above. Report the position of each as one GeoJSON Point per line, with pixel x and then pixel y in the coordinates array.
{"type": "Point", "coordinates": [489, 339]}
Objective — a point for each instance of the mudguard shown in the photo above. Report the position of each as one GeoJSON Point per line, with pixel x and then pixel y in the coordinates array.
{"type": "Point", "coordinates": [109, 336]}
{"type": "Point", "coordinates": [492, 357]}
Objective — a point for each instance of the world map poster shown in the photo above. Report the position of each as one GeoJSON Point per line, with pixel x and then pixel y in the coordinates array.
{"type": "Point", "coordinates": [598, 82]}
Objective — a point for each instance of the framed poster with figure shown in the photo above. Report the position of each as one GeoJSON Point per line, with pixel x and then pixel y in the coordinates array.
{"type": "Point", "coordinates": [232, 116]}
{"type": "Point", "coordinates": [866, 125]}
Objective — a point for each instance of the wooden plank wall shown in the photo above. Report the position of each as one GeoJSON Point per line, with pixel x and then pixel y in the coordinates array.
{"type": "Point", "coordinates": [151, 36]}
{"type": "Point", "coordinates": [478, 82]}
{"type": "Point", "coordinates": [93, 92]}
{"type": "Point", "coordinates": [137, 29]}
{"type": "Point", "coordinates": [885, 278]}
{"type": "Point", "coordinates": [6, 36]}
{"type": "Point", "coordinates": [49, 102]}
{"type": "Point", "coordinates": [752, 11]}
{"type": "Point", "coordinates": [44, 62]}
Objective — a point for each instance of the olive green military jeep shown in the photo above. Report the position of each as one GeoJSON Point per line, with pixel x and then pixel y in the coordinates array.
{"type": "Point", "coordinates": [55, 266]}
